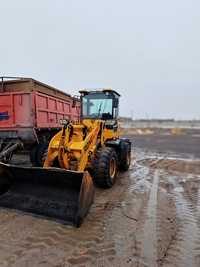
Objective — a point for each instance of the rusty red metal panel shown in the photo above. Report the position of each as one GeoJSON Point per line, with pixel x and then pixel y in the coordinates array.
{"type": "Point", "coordinates": [50, 110]}
{"type": "Point", "coordinates": [19, 109]}
{"type": "Point", "coordinates": [22, 110]}
{"type": "Point", "coordinates": [15, 110]}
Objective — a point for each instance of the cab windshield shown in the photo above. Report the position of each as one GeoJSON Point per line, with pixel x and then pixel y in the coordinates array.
{"type": "Point", "coordinates": [97, 105]}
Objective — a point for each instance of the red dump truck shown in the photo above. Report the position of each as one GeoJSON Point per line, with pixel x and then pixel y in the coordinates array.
{"type": "Point", "coordinates": [30, 114]}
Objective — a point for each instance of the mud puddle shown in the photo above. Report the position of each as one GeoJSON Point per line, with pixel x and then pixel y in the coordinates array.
{"type": "Point", "coordinates": [177, 180]}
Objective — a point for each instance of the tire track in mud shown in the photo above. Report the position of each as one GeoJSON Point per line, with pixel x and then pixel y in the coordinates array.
{"type": "Point", "coordinates": [147, 234]}
{"type": "Point", "coordinates": [198, 205]}
{"type": "Point", "coordinates": [42, 239]}
{"type": "Point", "coordinates": [184, 250]}
{"type": "Point", "coordinates": [122, 222]}
{"type": "Point", "coordinates": [149, 244]}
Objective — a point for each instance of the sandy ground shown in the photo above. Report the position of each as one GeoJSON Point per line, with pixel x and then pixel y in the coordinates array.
{"type": "Point", "coordinates": [151, 218]}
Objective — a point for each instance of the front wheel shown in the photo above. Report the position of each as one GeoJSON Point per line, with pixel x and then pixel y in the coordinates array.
{"type": "Point", "coordinates": [105, 167]}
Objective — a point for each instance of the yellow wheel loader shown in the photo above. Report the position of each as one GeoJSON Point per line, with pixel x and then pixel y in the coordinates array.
{"type": "Point", "coordinates": [80, 155]}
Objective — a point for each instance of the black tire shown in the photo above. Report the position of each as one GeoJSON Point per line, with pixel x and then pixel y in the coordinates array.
{"type": "Point", "coordinates": [37, 154]}
{"type": "Point", "coordinates": [78, 221]}
{"type": "Point", "coordinates": [105, 167]}
{"type": "Point", "coordinates": [4, 186]}
{"type": "Point", "coordinates": [7, 158]}
{"type": "Point", "coordinates": [40, 154]}
{"type": "Point", "coordinates": [125, 156]}
{"type": "Point", "coordinates": [33, 155]}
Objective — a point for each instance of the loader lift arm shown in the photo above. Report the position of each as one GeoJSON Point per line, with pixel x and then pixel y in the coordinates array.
{"type": "Point", "coordinates": [90, 145]}
{"type": "Point", "coordinates": [67, 150]}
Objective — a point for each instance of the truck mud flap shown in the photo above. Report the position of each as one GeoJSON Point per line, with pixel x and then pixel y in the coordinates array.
{"type": "Point", "coordinates": [51, 192]}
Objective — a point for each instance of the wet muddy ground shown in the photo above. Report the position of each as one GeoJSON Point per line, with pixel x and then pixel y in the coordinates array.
{"type": "Point", "coordinates": [151, 218]}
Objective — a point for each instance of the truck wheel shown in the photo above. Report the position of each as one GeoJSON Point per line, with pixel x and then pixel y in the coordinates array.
{"type": "Point", "coordinates": [41, 154]}
{"type": "Point", "coordinates": [7, 158]}
{"type": "Point", "coordinates": [37, 154]}
{"type": "Point", "coordinates": [105, 167]}
{"type": "Point", "coordinates": [33, 155]}
{"type": "Point", "coordinates": [125, 156]}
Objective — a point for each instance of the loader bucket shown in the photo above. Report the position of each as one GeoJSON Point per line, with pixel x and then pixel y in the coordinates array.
{"type": "Point", "coordinates": [51, 192]}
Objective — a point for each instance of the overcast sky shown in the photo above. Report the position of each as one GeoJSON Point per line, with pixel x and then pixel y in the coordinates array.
{"type": "Point", "coordinates": [148, 50]}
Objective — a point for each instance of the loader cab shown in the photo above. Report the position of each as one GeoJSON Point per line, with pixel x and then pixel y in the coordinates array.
{"type": "Point", "coordinates": [99, 105]}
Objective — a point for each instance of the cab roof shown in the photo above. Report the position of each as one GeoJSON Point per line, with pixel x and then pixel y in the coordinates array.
{"type": "Point", "coordinates": [98, 90]}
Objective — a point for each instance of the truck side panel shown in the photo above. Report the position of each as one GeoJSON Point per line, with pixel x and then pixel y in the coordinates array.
{"type": "Point", "coordinates": [34, 110]}
{"type": "Point", "coordinates": [15, 110]}
{"type": "Point", "coordinates": [49, 110]}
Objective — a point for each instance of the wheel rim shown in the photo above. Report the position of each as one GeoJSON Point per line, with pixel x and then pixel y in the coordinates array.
{"type": "Point", "coordinates": [113, 167]}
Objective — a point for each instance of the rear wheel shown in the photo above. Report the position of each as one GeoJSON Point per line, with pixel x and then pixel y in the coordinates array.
{"type": "Point", "coordinates": [105, 167]}
{"type": "Point", "coordinates": [38, 154]}
{"type": "Point", "coordinates": [125, 156]}
{"type": "Point", "coordinates": [33, 155]}
{"type": "Point", "coordinates": [41, 154]}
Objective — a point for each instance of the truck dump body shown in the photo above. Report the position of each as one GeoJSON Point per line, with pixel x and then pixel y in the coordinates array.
{"type": "Point", "coordinates": [33, 110]}
{"type": "Point", "coordinates": [30, 114]}
{"type": "Point", "coordinates": [27, 105]}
